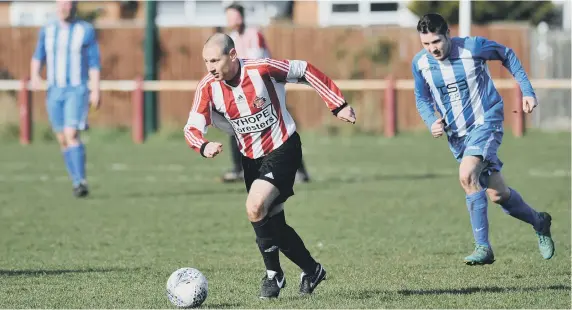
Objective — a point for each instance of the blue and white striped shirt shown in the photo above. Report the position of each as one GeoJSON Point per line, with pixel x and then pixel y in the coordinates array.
{"type": "Point", "coordinates": [69, 52]}
{"type": "Point", "coordinates": [461, 85]}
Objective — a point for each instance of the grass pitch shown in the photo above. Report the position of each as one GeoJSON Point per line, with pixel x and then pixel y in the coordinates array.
{"type": "Point", "coordinates": [386, 217]}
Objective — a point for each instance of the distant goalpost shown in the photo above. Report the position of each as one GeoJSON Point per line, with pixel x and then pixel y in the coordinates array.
{"type": "Point", "coordinates": [465, 18]}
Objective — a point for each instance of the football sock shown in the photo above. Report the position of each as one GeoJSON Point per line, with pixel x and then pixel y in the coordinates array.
{"type": "Point", "coordinates": [516, 207]}
{"type": "Point", "coordinates": [77, 155]}
{"type": "Point", "coordinates": [69, 166]}
{"type": "Point", "coordinates": [477, 206]}
{"type": "Point", "coordinates": [292, 245]}
{"type": "Point", "coordinates": [236, 156]}
{"type": "Point", "coordinates": [267, 241]}
{"type": "Point", "coordinates": [302, 168]}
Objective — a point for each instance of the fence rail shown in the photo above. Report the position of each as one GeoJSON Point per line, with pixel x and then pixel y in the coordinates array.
{"type": "Point", "coordinates": [191, 85]}
{"type": "Point", "coordinates": [389, 85]}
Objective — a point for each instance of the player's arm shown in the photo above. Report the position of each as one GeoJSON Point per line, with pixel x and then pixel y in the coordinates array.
{"type": "Point", "coordinates": [94, 65]}
{"type": "Point", "coordinates": [423, 99]}
{"type": "Point", "coordinates": [199, 120]}
{"type": "Point", "coordinates": [299, 71]}
{"type": "Point", "coordinates": [491, 50]}
{"type": "Point", "coordinates": [38, 58]}
{"type": "Point", "coordinates": [93, 57]}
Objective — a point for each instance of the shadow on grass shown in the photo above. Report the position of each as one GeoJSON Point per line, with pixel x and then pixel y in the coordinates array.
{"type": "Point", "coordinates": [221, 190]}
{"type": "Point", "coordinates": [238, 187]}
{"type": "Point", "coordinates": [56, 272]}
{"type": "Point", "coordinates": [386, 295]}
{"type": "Point", "coordinates": [381, 177]}
{"type": "Point", "coordinates": [223, 305]}
{"type": "Point", "coordinates": [492, 289]}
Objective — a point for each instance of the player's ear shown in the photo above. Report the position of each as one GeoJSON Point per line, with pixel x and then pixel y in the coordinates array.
{"type": "Point", "coordinates": [232, 54]}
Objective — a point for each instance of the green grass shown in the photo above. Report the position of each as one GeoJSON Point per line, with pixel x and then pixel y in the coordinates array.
{"type": "Point", "coordinates": [386, 217]}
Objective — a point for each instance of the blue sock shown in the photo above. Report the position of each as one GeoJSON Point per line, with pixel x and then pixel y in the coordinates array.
{"type": "Point", "coordinates": [69, 165]}
{"type": "Point", "coordinates": [517, 208]}
{"type": "Point", "coordinates": [77, 155]}
{"type": "Point", "coordinates": [83, 161]}
{"type": "Point", "coordinates": [477, 206]}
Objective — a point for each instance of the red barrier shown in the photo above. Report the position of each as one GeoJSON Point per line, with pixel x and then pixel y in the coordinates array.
{"type": "Point", "coordinates": [389, 107]}
{"type": "Point", "coordinates": [518, 125]}
{"type": "Point", "coordinates": [137, 133]}
{"type": "Point", "coordinates": [25, 113]}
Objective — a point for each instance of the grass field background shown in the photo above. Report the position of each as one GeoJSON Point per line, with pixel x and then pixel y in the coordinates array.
{"type": "Point", "coordinates": [386, 217]}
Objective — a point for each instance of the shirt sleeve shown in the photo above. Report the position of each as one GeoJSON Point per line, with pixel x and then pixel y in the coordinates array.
{"type": "Point", "coordinates": [491, 50]}
{"type": "Point", "coordinates": [199, 120]}
{"type": "Point", "coordinates": [92, 45]}
{"type": "Point", "coordinates": [423, 99]}
{"type": "Point", "coordinates": [299, 71]}
{"type": "Point", "coordinates": [40, 52]}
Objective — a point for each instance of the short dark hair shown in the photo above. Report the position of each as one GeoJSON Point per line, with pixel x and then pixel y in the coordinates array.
{"type": "Point", "coordinates": [225, 42]}
{"type": "Point", "coordinates": [236, 6]}
{"type": "Point", "coordinates": [432, 23]}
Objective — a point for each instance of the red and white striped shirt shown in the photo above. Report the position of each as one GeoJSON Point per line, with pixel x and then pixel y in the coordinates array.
{"type": "Point", "coordinates": [250, 44]}
{"type": "Point", "coordinates": [256, 108]}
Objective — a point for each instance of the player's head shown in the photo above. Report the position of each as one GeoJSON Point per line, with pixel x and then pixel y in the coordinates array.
{"type": "Point", "coordinates": [66, 9]}
{"type": "Point", "coordinates": [220, 57]}
{"type": "Point", "coordinates": [235, 16]}
{"type": "Point", "coordinates": [434, 33]}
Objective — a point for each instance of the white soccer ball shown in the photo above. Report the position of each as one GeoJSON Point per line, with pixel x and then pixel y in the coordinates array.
{"type": "Point", "coordinates": [187, 288]}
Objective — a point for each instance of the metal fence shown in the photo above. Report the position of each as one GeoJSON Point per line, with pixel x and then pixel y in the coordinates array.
{"type": "Point", "coordinates": [551, 59]}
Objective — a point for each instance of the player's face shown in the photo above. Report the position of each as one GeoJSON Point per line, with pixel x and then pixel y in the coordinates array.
{"type": "Point", "coordinates": [218, 64]}
{"type": "Point", "coordinates": [65, 9]}
{"type": "Point", "coordinates": [436, 44]}
{"type": "Point", "coordinates": [233, 19]}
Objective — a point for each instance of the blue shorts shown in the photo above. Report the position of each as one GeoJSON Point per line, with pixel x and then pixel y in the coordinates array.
{"type": "Point", "coordinates": [484, 141]}
{"type": "Point", "coordinates": [68, 107]}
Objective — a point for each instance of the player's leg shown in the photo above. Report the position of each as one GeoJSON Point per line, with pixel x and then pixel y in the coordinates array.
{"type": "Point", "coordinates": [280, 169]}
{"type": "Point", "coordinates": [292, 246]}
{"type": "Point", "coordinates": [76, 109]}
{"type": "Point", "coordinates": [55, 109]}
{"type": "Point", "coordinates": [479, 150]}
{"type": "Point", "coordinates": [476, 199]}
{"type": "Point", "coordinates": [236, 172]}
{"type": "Point", "coordinates": [512, 204]}
{"type": "Point", "coordinates": [302, 174]}
{"type": "Point", "coordinates": [261, 195]}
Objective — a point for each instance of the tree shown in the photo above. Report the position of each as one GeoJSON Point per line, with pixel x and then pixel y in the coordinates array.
{"type": "Point", "coordinates": [484, 12]}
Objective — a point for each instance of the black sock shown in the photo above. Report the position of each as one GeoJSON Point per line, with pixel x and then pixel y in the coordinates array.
{"type": "Point", "coordinates": [302, 169]}
{"type": "Point", "coordinates": [292, 245]}
{"type": "Point", "coordinates": [267, 240]}
{"type": "Point", "coordinates": [236, 156]}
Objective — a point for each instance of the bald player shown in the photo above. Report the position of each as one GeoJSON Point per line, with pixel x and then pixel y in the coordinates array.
{"type": "Point", "coordinates": [250, 96]}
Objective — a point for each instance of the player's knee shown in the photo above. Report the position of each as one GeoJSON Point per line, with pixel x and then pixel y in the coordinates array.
{"type": "Point", "coordinates": [255, 208]}
{"type": "Point", "coordinates": [71, 136]}
{"type": "Point", "coordinates": [469, 180]}
{"type": "Point", "coordinates": [497, 196]}
{"type": "Point", "coordinates": [61, 140]}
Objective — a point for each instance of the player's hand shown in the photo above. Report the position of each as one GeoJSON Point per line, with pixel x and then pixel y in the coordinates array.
{"type": "Point", "coordinates": [528, 104]}
{"type": "Point", "coordinates": [94, 100]}
{"type": "Point", "coordinates": [35, 82]}
{"type": "Point", "coordinates": [438, 128]}
{"type": "Point", "coordinates": [212, 149]}
{"type": "Point", "coordinates": [347, 114]}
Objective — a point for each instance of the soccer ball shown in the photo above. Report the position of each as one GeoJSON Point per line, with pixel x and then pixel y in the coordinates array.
{"type": "Point", "coordinates": [187, 288]}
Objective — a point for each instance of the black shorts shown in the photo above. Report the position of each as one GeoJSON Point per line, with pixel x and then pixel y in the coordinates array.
{"type": "Point", "coordinates": [279, 167]}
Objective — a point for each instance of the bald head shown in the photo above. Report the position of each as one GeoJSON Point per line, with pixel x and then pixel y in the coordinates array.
{"type": "Point", "coordinates": [222, 41]}
{"type": "Point", "coordinates": [220, 57]}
